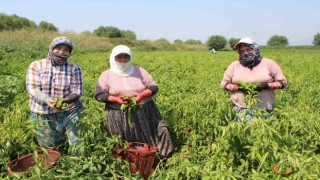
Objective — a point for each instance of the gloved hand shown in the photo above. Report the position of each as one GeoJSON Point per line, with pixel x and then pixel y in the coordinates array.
{"type": "Point", "coordinates": [116, 99]}
{"type": "Point", "coordinates": [262, 86]}
{"type": "Point", "coordinates": [144, 94]}
{"type": "Point", "coordinates": [232, 87]}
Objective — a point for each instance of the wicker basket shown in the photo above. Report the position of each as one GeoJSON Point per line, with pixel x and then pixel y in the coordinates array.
{"type": "Point", "coordinates": [21, 165]}
{"type": "Point", "coordinates": [140, 157]}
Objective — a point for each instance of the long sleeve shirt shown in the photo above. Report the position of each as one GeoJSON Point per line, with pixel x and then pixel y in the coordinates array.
{"type": "Point", "coordinates": [115, 85]}
{"type": "Point", "coordinates": [53, 81]}
{"type": "Point", "coordinates": [266, 71]}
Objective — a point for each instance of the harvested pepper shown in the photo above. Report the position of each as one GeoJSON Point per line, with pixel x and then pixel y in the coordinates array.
{"type": "Point", "coordinates": [131, 105]}
{"type": "Point", "coordinates": [59, 104]}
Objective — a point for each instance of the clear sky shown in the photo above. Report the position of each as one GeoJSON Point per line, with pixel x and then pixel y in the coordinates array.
{"type": "Point", "coordinates": [298, 20]}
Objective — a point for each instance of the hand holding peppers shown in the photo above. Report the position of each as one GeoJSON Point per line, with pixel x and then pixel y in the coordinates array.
{"type": "Point", "coordinates": [59, 104]}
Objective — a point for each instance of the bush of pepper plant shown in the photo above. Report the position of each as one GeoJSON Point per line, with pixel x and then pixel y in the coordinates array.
{"type": "Point", "coordinates": [209, 142]}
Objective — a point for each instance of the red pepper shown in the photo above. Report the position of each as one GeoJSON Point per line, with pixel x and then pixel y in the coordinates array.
{"type": "Point", "coordinates": [284, 174]}
{"type": "Point", "coordinates": [288, 172]}
{"type": "Point", "coordinates": [275, 169]}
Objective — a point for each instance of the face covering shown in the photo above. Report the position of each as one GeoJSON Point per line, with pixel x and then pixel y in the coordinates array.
{"type": "Point", "coordinates": [252, 58]}
{"type": "Point", "coordinates": [121, 69]}
{"type": "Point", "coordinates": [58, 60]}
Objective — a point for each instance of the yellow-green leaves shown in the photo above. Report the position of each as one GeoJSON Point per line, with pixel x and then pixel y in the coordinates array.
{"type": "Point", "coordinates": [128, 107]}
{"type": "Point", "coordinates": [248, 87]}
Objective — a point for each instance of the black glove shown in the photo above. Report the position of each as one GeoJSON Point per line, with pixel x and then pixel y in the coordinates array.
{"type": "Point", "coordinates": [72, 97]}
{"type": "Point", "coordinates": [262, 86]}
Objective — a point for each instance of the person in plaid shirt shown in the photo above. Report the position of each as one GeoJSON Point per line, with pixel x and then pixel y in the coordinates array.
{"type": "Point", "coordinates": [51, 78]}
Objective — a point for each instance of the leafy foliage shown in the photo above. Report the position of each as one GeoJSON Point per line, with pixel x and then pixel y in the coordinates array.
{"type": "Point", "coordinates": [192, 41]}
{"type": "Point", "coordinates": [316, 39]}
{"type": "Point", "coordinates": [108, 31]}
{"type": "Point", "coordinates": [209, 143]}
{"type": "Point", "coordinates": [129, 107]}
{"type": "Point", "coordinates": [113, 32]}
{"type": "Point", "coordinates": [47, 26]}
{"type": "Point", "coordinates": [278, 41]}
{"type": "Point", "coordinates": [15, 22]}
{"type": "Point", "coordinates": [217, 42]}
{"type": "Point", "coordinates": [178, 41]}
{"type": "Point", "coordinates": [233, 41]}
{"type": "Point", "coordinates": [128, 34]}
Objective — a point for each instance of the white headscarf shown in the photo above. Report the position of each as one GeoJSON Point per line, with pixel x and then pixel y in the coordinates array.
{"type": "Point", "coordinates": [121, 69]}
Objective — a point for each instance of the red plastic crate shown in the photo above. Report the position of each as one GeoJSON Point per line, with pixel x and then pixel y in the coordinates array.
{"type": "Point", "coordinates": [140, 157]}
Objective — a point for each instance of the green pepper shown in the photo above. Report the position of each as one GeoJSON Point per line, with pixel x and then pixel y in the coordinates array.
{"type": "Point", "coordinates": [59, 104]}
{"type": "Point", "coordinates": [131, 105]}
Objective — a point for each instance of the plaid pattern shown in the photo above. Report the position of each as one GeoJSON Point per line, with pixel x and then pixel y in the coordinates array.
{"type": "Point", "coordinates": [52, 127]}
{"type": "Point", "coordinates": [56, 81]}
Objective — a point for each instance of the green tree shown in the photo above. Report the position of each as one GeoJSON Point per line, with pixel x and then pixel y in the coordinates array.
{"type": "Point", "coordinates": [47, 26]}
{"type": "Point", "coordinates": [192, 41]}
{"type": "Point", "coordinates": [15, 22]}
{"type": "Point", "coordinates": [178, 41]}
{"type": "Point", "coordinates": [316, 39]}
{"type": "Point", "coordinates": [128, 34]}
{"type": "Point", "coordinates": [278, 41]}
{"type": "Point", "coordinates": [233, 41]}
{"type": "Point", "coordinates": [108, 31]}
{"type": "Point", "coordinates": [217, 42]}
{"type": "Point", "coordinates": [162, 44]}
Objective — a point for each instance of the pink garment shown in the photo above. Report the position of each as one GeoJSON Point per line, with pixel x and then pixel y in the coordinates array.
{"type": "Point", "coordinates": [266, 71]}
{"type": "Point", "coordinates": [116, 85]}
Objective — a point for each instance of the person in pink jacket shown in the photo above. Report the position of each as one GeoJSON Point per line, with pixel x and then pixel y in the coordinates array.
{"type": "Point", "coordinates": [251, 67]}
{"type": "Point", "coordinates": [125, 80]}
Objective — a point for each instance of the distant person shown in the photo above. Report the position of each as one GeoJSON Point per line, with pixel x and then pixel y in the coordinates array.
{"type": "Point", "coordinates": [125, 80]}
{"type": "Point", "coordinates": [51, 78]}
{"type": "Point", "coordinates": [213, 51]}
{"type": "Point", "coordinates": [251, 67]}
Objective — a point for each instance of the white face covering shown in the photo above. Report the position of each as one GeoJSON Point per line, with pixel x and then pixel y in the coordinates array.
{"type": "Point", "coordinates": [121, 69]}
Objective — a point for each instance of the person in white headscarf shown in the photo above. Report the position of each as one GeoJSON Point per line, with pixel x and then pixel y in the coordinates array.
{"type": "Point", "coordinates": [125, 80]}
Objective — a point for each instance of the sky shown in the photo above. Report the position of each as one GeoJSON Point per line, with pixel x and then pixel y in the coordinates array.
{"type": "Point", "coordinates": [298, 20]}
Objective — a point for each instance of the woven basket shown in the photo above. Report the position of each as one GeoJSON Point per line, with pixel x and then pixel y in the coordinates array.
{"type": "Point", "coordinates": [140, 157]}
{"type": "Point", "coordinates": [21, 165]}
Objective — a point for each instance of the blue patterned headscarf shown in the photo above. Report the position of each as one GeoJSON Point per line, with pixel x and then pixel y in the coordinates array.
{"type": "Point", "coordinates": [252, 58]}
{"type": "Point", "coordinates": [58, 60]}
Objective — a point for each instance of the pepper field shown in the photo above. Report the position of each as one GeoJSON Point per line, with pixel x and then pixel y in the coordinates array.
{"type": "Point", "coordinates": [209, 143]}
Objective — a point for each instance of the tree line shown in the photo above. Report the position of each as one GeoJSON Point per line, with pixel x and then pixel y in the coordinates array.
{"type": "Point", "coordinates": [217, 42]}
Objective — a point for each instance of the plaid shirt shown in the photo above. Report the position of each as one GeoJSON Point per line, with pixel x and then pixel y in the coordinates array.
{"type": "Point", "coordinates": [55, 81]}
